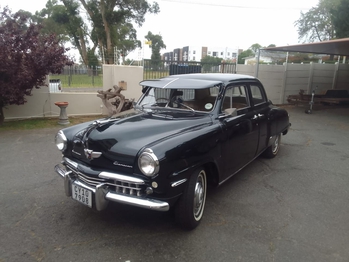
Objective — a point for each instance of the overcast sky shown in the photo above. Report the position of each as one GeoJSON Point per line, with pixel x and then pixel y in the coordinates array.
{"type": "Point", "coordinates": [218, 23]}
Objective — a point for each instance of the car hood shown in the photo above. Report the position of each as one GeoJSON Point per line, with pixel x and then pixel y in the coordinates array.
{"type": "Point", "coordinates": [121, 140]}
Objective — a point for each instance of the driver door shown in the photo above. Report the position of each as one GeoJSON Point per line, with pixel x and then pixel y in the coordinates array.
{"type": "Point", "coordinates": [240, 129]}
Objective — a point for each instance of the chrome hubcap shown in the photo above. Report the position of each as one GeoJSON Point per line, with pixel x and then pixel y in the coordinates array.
{"type": "Point", "coordinates": [200, 195]}
{"type": "Point", "coordinates": [276, 145]}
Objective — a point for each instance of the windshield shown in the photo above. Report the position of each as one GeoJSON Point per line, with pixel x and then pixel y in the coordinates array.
{"type": "Point", "coordinates": [201, 100]}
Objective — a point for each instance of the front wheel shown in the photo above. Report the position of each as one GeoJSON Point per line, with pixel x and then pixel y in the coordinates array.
{"type": "Point", "coordinates": [273, 149]}
{"type": "Point", "coordinates": [190, 207]}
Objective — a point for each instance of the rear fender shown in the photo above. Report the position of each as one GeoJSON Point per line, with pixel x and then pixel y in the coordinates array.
{"type": "Point", "coordinates": [279, 121]}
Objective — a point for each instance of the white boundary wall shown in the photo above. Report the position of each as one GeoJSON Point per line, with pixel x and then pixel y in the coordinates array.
{"type": "Point", "coordinates": [41, 103]}
{"type": "Point", "coordinates": [279, 81]}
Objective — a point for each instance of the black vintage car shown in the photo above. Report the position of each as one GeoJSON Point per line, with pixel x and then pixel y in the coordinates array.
{"type": "Point", "coordinates": [185, 132]}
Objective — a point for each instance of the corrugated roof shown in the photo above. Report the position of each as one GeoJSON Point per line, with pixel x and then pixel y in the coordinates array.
{"type": "Point", "coordinates": [332, 47]}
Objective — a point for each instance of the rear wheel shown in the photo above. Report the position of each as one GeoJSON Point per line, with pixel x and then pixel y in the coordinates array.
{"type": "Point", "coordinates": [273, 149]}
{"type": "Point", "coordinates": [190, 207]}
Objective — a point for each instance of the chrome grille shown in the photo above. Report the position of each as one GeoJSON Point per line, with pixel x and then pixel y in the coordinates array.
{"type": "Point", "coordinates": [92, 181]}
{"type": "Point", "coordinates": [119, 186]}
{"type": "Point", "coordinates": [128, 188]}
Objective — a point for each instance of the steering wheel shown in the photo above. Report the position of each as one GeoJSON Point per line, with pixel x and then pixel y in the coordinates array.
{"type": "Point", "coordinates": [179, 102]}
{"type": "Point", "coordinates": [162, 98]}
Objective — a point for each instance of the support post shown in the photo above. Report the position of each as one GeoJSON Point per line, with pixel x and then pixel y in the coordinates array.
{"type": "Point", "coordinates": [257, 64]}
{"type": "Point", "coordinates": [310, 80]}
{"type": "Point", "coordinates": [334, 81]}
{"type": "Point", "coordinates": [284, 80]}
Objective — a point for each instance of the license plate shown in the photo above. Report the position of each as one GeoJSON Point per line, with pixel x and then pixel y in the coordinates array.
{"type": "Point", "coordinates": [82, 195]}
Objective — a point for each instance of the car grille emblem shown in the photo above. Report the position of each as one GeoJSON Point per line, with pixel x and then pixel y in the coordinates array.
{"type": "Point", "coordinates": [92, 155]}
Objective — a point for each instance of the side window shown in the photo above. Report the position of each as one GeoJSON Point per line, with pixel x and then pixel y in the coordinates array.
{"type": "Point", "coordinates": [235, 97]}
{"type": "Point", "coordinates": [257, 95]}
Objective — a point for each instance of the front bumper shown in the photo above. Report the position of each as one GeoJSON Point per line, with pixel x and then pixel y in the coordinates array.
{"type": "Point", "coordinates": [102, 193]}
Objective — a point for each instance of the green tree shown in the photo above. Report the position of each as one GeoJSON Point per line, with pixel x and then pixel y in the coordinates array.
{"type": "Point", "coordinates": [156, 44]}
{"type": "Point", "coordinates": [244, 54]}
{"type": "Point", "coordinates": [108, 27]}
{"type": "Point", "coordinates": [317, 23]}
{"type": "Point", "coordinates": [255, 47]}
{"type": "Point", "coordinates": [67, 24]}
{"type": "Point", "coordinates": [126, 40]}
{"type": "Point", "coordinates": [27, 57]}
{"type": "Point", "coordinates": [209, 61]}
{"type": "Point", "coordinates": [340, 19]}
{"type": "Point", "coordinates": [108, 16]}
{"type": "Point", "coordinates": [47, 19]}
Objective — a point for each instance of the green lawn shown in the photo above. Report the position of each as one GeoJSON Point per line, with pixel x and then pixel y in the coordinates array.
{"type": "Point", "coordinates": [84, 80]}
{"type": "Point", "coordinates": [79, 80]}
{"type": "Point", "coordinates": [149, 74]}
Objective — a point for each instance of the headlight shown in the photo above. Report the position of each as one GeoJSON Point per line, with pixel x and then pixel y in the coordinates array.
{"type": "Point", "coordinates": [61, 141]}
{"type": "Point", "coordinates": [148, 163]}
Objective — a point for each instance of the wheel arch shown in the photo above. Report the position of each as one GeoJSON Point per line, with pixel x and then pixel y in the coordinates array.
{"type": "Point", "coordinates": [212, 173]}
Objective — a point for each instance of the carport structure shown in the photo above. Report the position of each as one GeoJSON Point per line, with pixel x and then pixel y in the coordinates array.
{"type": "Point", "coordinates": [317, 76]}
{"type": "Point", "coordinates": [338, 47]}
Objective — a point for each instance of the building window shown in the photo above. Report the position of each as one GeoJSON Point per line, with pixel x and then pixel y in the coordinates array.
{"type": "Point", "coordinates": [215, 53]}
{"type": "Point", "coordinates": [193, 58]}
{"type": "Point", "coordinates": [228, 53]}
{"type": "Point", "coordinates": [221, 53]}
{"type": "Point", "coordinates": [194, 52]}
{"type": "Point", "coordinates": [209, 52]}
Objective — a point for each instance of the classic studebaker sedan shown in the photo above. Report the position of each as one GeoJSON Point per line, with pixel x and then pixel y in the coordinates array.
{"type": "Point", "coordinates": [185, 132]}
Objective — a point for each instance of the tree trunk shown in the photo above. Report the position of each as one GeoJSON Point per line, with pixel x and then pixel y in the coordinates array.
{"type": "Point", "coordinates": [107, 33]}
{"type": "Point", "coordinates": [83, 47]}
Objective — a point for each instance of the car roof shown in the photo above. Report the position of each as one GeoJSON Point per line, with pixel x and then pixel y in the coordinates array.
{"type": "Point", "coordinates": [195, 81]}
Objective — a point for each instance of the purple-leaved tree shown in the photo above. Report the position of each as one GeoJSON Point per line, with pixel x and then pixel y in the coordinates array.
{"type": "Point", "coordinates": [26, 58]}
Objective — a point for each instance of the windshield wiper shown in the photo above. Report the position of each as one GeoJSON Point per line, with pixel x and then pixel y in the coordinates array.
{"type": "Point", "coordinates": [141, 107]}
{"type": "Point", "coordinates": [146, 107]}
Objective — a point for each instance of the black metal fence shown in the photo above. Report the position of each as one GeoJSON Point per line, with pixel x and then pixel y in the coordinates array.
{"type": "Point", "coordinates": [80, 76]}
{"type": "Point", "coordinates": [154, 70]}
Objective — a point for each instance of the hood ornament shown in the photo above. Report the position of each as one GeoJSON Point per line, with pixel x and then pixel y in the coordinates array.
{"type": "Point", "coordinates": [90, 154]}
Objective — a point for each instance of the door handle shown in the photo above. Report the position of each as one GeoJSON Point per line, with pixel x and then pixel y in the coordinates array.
{"type": "Point", "coordinates": [255, 117]}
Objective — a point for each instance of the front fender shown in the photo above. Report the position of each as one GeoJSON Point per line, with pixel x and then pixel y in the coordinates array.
{"type": "Point", "coordinates": [181, 155]}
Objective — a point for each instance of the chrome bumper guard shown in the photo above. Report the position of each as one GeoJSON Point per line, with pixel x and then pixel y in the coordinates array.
{"type": "Point", "coordinates": [103, 195]}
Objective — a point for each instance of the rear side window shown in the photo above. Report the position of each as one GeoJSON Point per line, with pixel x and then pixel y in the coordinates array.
{"type": "Point", "coordinates": [257, 95]}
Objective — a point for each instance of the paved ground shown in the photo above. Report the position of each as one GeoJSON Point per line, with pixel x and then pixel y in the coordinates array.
{"type": "Point", "coordinates": [292, 208]}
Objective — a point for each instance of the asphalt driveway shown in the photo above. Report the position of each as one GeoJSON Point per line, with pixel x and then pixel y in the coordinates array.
{"type": "Point", "coordinates": [291, 208]}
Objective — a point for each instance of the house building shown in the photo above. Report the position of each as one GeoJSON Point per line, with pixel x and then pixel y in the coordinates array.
{"type": "Point", "coordinates": [225, 53]}
{"type": "Point", "coordinates": [195, 53]}
{"type": "Point", "coordinates": [265, 57]}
